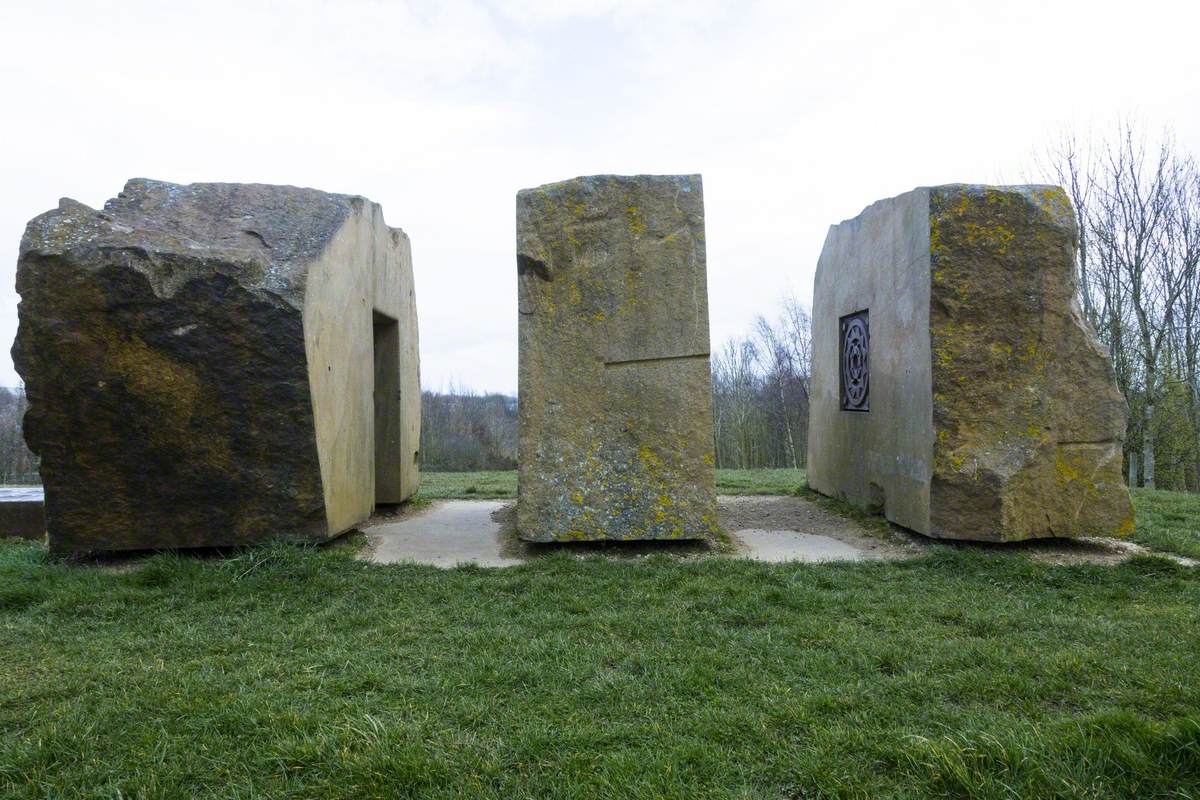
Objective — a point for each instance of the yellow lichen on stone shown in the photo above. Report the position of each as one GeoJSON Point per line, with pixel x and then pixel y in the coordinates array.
{"type": "Point", "coordinates": [649, 457]}
{"type": "Point", "coordinates": [152, 376]}
{"type": "Point", "coordinates": [999, 408]}
{"type": "Point", "coordinates": [1064, 470]}
{"type": "Point", "coordinates": [1053, 201]}
{"type": "Point", "coordinates": [597, 422]}
{"type": "Point", "coordinates": [636, 226]}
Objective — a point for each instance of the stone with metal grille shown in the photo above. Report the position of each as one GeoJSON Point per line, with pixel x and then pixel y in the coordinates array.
{"type": "Point", "coordinates": [855, 358]}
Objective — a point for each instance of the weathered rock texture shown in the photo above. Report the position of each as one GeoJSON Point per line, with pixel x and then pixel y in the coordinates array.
{"type": "Point", "coordinates": [22, 519]}
{"type": "Point", "coordinates": [615, 408]}
{"type": "Point", "coordinates": [200, 364]}
{"type": "Point", "coordinates": [993, 411]}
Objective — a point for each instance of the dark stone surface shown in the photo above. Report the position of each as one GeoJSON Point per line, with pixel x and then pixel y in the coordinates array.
{"type": "Point", "coordinates": [162, 347]}
{"type": "Point", "coordinates": [23, 519]}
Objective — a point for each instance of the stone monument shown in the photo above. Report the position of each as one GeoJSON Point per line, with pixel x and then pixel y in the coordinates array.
{"type": "Point", "coordinates": [956, 387]}
{"type": "Point", "coordinates": [217, 364]}
{"type": "Point", "coordinates": [615, 412]}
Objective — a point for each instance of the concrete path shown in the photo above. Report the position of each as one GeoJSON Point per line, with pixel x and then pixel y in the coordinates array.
{"type": "Point", "coordinates": [780, 546]}
{"type": "Point", "coordinates": [452, 532]}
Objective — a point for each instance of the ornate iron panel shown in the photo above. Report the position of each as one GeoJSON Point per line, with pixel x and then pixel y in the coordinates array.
{"type": "Point", "coordinates": [855, 340]}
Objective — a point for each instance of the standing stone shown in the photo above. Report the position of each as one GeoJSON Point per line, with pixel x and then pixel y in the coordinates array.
{"type": "Point", "coordinates": [217, 364]}
{"type": "Point", "coordinates": [956, 386]}
{"type": "Point", "coordinates": [615, 412]}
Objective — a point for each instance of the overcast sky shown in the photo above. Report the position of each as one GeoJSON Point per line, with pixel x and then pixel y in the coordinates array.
{"type": "Point", "coordinates": [797, 114]}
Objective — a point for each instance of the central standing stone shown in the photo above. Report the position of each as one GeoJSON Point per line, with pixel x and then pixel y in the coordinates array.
{"type": "Point", "coordinates": [616, 438]}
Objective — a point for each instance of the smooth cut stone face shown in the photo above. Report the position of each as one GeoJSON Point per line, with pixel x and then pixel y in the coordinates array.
{"type": "Point", "coordinates": [989, 409]}
{"type": "Point", "coordinates": [615, 412]}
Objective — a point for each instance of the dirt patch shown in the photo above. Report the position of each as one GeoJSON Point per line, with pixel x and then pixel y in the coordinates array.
{"type": "Point", "coordinates": [511, 545]}
{"type": "Point", "coordinates": [890, 541]}
{"type": "Point", "coordinates": [1089, 550]}
{"type": "Point", "coordinates": [759, 512]}
{"type": "Point", "coordinates": [756, 514]}
{"type": "Point", "coordinates": [765, 512]}
{"type": "Point", "coordinates": [399, 511]}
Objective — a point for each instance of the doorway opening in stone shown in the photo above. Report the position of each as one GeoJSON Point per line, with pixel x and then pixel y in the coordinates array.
{"type": "Point", "coordinates": [386, 396]}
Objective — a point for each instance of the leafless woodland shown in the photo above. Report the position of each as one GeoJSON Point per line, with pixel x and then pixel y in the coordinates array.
{"type": "Point", "coordinates": [17, 464]}
{"type": "Point", "coordinates": [1137, 204]}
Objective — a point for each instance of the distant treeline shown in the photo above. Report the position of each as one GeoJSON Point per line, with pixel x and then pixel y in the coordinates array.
{"type": "Point", "coordinates": [760, 407]}
{"type": "Point", "coordinates": [17, 464]}
{"type": "Point", "coordinates": [463, 432]}
{"type": "Point", "coordinates": [760, 392]}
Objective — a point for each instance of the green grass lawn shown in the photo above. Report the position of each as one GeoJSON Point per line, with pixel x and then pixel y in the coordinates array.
{"type": "Point", "coordinates": [1168, 521]}
{"type": "Point", "coordinates": [759, 481]}
{"type": "Point", "coordinates": [301, 673]}
{"type": "Point", "coordinates": [468, 485]}
{"type": "Point", "coordinates": [492, 485]}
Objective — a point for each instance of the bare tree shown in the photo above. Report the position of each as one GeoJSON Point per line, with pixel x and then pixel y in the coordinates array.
{"type": "Point", "coordinates": [783, 349]}
{"type": "Point", "coordinates": [735, 381]}
{"type": "Point", "coordinates": [1131, 220]}
{"type": "Point", "coordinates": [17, 464]}
{"type": "Point", "coordinates": [1183, 249]}
{"type": "Point", "coordinates": [760, 392]}
{"type": "Point", "coordinates": [464, 431]}
{"type": "Point", "coordinates": [1068, 164]}
{"type": "Point", "coordinates": [1136, 208]}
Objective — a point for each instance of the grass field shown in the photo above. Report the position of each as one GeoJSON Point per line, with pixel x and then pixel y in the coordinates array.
{"type": "Point", "coordinates": [1168, 521]}
{"type": "Point", "coordinates": [302, 672]}
{"type": "Point", "coordinates": [468, 485]}
{"type": "Point", "coordinates": [291, 672]}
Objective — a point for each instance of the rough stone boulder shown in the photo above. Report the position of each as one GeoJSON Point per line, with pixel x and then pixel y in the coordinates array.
{"type": "Point", "coordinates": [615, 413]}
{"type": "Point", "coordinates": [956, 386]}
{"type": "Point", "coordinates": [217, 364]}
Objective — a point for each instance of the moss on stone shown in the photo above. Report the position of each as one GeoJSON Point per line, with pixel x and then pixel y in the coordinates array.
{"type": "Point", "coordinates": [1001, 267]}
